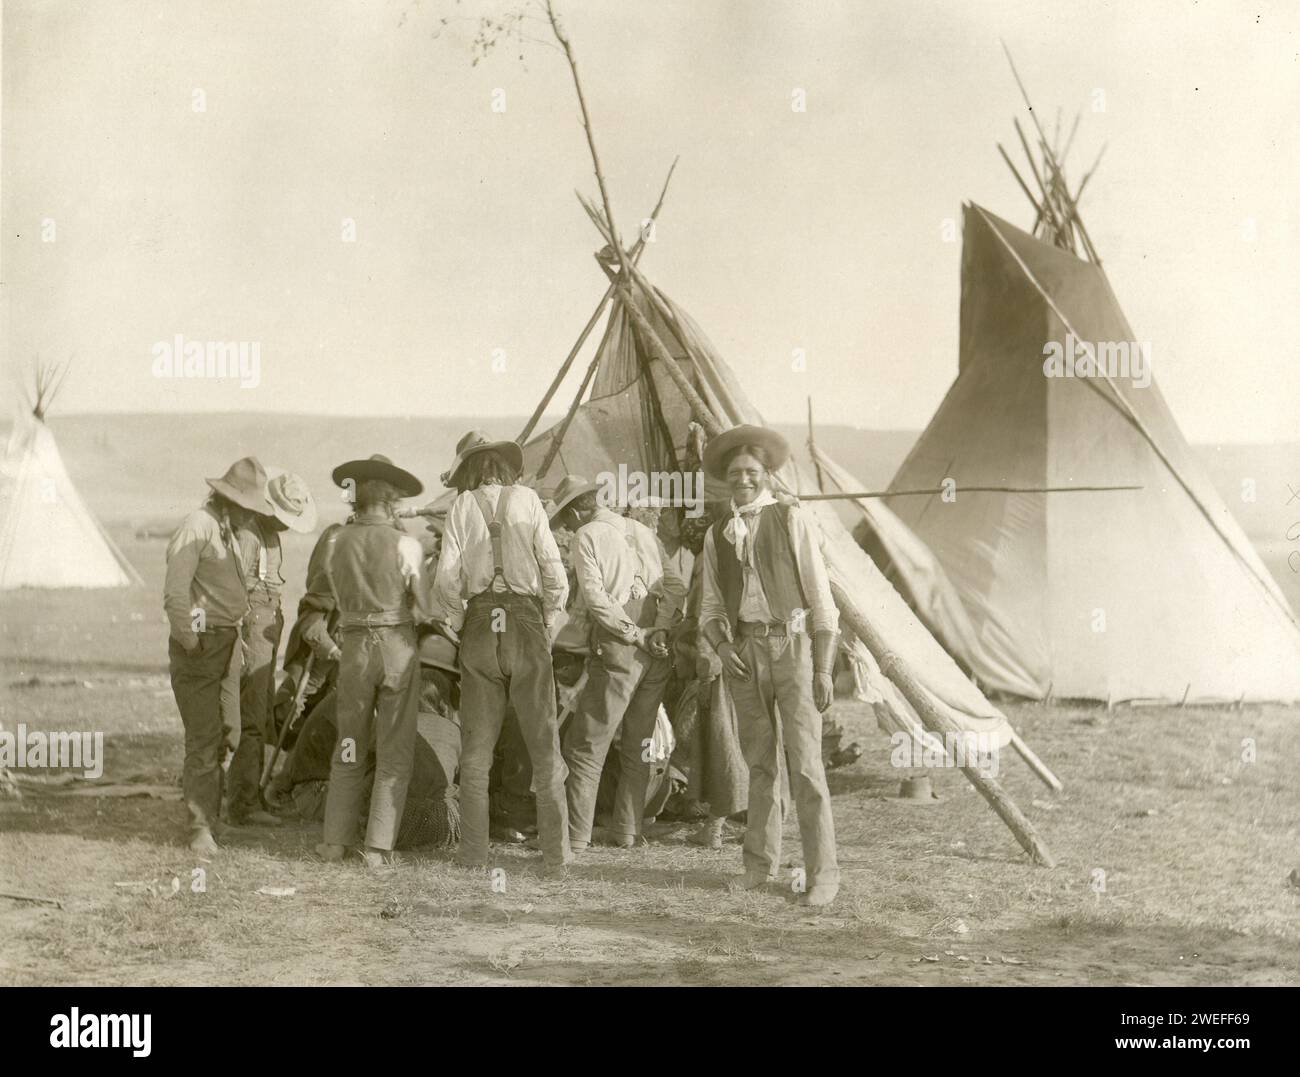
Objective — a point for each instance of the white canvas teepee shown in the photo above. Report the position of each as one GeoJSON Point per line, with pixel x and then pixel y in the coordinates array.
{"type": "Point", "coordinates": [48, 537]}
{"type": "Point", "coordinates": [1146, 593]}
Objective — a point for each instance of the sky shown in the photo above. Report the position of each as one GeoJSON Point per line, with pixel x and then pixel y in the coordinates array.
{"type": "Point", "coordinates": [191, 169]}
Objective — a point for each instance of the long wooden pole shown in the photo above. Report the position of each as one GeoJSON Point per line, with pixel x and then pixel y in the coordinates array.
{"type": "Point", "coordinates": [812, 450]}
{"type": "Point", "coordinates": [703, 415]}
{"type": "Point", "coordinates": [562, 373]}
{"type": "Point", "coordinates": [930, 716]}
{"type": "Point", "coordinates": [893, 667]}
{"type": "Point", "coordinates": [861, 494]}
{"type": "Point", "coordinates": [553, 450]}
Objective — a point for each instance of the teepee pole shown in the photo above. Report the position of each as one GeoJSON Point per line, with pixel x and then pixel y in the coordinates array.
{"type": "Point", "coordinates": [637, 249]}
{"type": "Point", "coordinates": [933, 719]}
{"type": "Point", "coordinates": [812, 451]}
{"type": "Point", "coordinates": [699, 409]}
{"type": "Point", "coordinates": [1035, 764]}
{"type": "Point", "coordinates": [553, 450]}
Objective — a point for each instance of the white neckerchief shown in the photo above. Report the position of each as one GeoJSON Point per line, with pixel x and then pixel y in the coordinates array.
{"type": "Point", "coordinates": [737, 530]}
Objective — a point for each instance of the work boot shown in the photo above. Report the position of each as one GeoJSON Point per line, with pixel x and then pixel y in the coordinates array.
{"type": "Point", "coordinates": [331, 854]}
{"type": "Point", "coordinates": [756, 879]}
{"type": "Point", "coordinates": [202, 842]}
{"type": "Point", "coordinates": [708, 834]}
{"type": "Point", "coordinates": [601, 836]}
{"type": "Point", "coordinates": [820, 894]}
{"type": "Point", "coordinates": [378, 858]}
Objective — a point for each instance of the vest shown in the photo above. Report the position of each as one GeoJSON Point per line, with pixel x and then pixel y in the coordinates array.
{"type": "Point", "coordinates": [778, 571]}
{"type": "Point", "coordinates": [365, 569]}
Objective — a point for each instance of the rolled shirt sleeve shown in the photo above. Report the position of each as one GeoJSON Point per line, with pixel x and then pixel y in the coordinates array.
{"type": "Point", "coordinates": [555, 582]}
{"type": "Point", "coordinates": [446, 601]}
{"type": "Point", "coordinates": [410, 556]}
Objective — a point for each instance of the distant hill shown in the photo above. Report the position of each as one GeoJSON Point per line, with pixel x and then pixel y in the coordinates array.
{"type": "Point", "coordinates": [150, 468]}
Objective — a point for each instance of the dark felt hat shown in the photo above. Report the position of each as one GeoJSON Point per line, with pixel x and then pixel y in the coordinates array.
{"type": "Point", "coordinates": [378, 467]}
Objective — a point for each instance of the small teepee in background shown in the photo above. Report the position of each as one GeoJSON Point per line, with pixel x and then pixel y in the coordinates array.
{"type": "Point", "coordinates": [48, 537]}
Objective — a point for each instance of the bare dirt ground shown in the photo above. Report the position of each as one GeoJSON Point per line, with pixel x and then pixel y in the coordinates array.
{"type": "Point", "coordinates": [1195, 844]}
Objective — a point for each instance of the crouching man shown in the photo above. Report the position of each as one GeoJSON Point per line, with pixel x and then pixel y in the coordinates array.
{"type": "Point", "coordinates": [765, 589]}
{"type": "Point", "coordinates": [374, 571]}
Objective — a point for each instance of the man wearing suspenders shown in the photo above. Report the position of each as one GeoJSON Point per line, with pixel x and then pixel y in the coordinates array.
{"type": "Point", "coordinates": [374, 570]}
{"type": "Point", "coordinates": [258, 538]}
{"type": "Point", "coordinates": [629, 601]}
{"type": "Point", "coordinates": [499, 554]}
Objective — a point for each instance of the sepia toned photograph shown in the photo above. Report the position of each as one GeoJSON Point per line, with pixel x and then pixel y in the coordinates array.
{"type": "Point", "coordinates": [702, 493]}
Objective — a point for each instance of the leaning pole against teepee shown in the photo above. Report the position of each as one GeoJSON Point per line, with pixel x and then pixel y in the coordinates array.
{"type": "Point", "coordinates": [890, 662]}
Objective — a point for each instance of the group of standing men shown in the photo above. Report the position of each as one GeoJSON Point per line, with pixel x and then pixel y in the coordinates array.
{"type": "Point", "coordinates": [500, 593]}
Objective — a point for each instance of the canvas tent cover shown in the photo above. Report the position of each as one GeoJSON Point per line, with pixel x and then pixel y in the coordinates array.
{"type": "Point", "coordinates": [48, 537]}
{"type": "Point", "coordinates": [1154, 593]}
{"type": "Point", "coordinates": [618, 424]}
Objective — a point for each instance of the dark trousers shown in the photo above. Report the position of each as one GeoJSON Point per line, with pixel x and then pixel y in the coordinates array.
{"type": "Point", "coordinates": [505, 657]}
{"type": "Point", "coordinates": [261, 637]}
{"type": "Point", "coordinates": [205, 683]}
{"type": "Point", "coordinates": [624, 688]}
{"type": "Point", "coordinates": [378, 701]}
{"type": "Point", "coordinates": [511, 779]}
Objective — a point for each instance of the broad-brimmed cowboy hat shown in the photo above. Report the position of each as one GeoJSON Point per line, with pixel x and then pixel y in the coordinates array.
{"type": "Point", "coordinates": [476, 442]}
{"type": "Point", "coordinates": [440, 653]}
{"type": "Point", "coordinates": [571, 487]}
{"type": "Point", "coordinates": [244, 483]}
{"type": "Point", "coordinates": [291, 499]}
{"type": "Point", "coordinates": [378, 467]}
{"type": "Point", "coordinates": [715, 452]}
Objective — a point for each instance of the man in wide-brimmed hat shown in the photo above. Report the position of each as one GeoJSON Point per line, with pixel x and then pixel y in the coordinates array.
{"type": "Point", "coordinates": [629, 602]}
{"type": "Point", "coordinates": [258, 537]}
{"type": "Point", "coordinates": [205, 595]}
{"type": "Point", "coordinates": [766, 609]}
{"type": "Point", "coordinates": [375, 572]}
{"type": "Point", "coordinates": [501, 585]}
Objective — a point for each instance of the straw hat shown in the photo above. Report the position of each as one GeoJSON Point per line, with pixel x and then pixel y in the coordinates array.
{"type": "Point", "coordinates": [715, 452]}
{"type": "Point", "coordinates": [291, 500]}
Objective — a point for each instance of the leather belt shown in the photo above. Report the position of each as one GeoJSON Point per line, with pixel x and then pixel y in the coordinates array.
{"type": "Point", "coordinates": [378, 619]}
{"type": "Point", "coordinates": [756, 628]}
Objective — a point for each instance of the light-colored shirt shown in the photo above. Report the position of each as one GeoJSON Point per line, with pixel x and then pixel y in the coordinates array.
{"type": "Point", "coordinates": [805, 539]}
{"type": "Point", "coordinates": [201, 575]}
{"type": "Point", "coordinates": [263, 561]}
{"type": "Point", "coordinates": [530, 559]}
{"type": "Point", "coordinates": [615, 559]}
